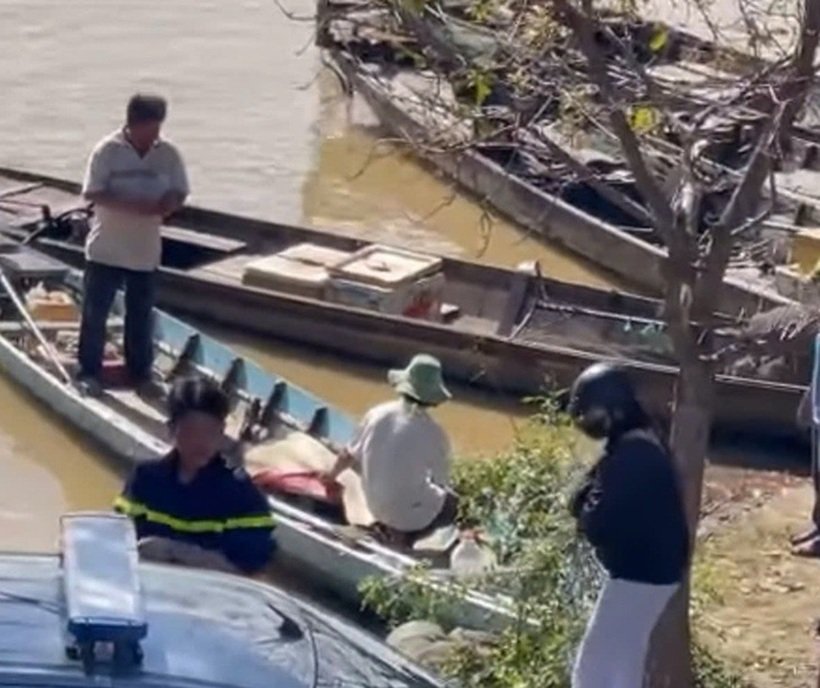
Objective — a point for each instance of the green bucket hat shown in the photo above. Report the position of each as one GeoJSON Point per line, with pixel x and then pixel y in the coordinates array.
{"type": "Point", "coordinates": [421, 380]}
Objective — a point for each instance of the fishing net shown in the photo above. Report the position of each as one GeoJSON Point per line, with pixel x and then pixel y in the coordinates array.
{"type": "Point", "coordinates": [608, 334]}
{"type": "Point", "coordinates": [776, 344]}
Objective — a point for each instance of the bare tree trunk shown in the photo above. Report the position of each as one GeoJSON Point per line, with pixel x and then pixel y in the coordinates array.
{"type": "Point", "coordinates": [670, 660]}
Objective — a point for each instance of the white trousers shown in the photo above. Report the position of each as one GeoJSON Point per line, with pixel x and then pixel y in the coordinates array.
{"type": "Point", "coordinates": [613, 651]}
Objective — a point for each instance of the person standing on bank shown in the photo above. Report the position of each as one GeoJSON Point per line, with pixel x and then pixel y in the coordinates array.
{"type": "Point", "coordinates": [630, 509]}
{"type": "Point", "coordinates": [134, 179]}
{"type": "Point", "coordinates": [190, 507]}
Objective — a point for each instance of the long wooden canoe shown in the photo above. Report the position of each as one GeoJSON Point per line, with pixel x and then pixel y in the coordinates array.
{"type": "Point", "coordinates": [512, 331]}
{"type": "Point", "coordinates": [285, 422]}
{"type": "Point", "coordinates": [556, 194]}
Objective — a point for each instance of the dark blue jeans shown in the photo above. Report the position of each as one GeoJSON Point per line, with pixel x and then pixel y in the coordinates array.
{"type": "Point", "coordinates": [101, 283]}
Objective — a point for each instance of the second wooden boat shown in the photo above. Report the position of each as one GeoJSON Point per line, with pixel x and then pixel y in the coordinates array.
{"type": "Point", "coordinates": [507, 331]}
{"type": "Point", "coordinates": [272, 422]}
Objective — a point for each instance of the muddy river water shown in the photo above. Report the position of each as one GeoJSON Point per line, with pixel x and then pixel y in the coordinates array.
{"type": "Point", "coordinates": [265, 131]}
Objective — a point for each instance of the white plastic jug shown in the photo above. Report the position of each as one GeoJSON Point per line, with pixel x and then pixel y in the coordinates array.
{"type": "Point", "coordinates": [470, 558]}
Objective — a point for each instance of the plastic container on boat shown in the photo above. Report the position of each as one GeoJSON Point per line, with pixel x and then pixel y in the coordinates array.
{"type": "Point", "coordinates": [385, 266]}
{"type": "Point", "coordinates": [421, 299]}
{"type": "Point", "coordinates": [389, 280]}
{"type": "Point", "coordinates": [470, 558]}
{"type": "Point", "coordinates": [300, 270]}
{"type": "Point", "coordinates": [51, 305]}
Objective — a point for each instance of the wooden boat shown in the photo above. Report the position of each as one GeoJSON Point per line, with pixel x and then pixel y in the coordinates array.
{"type": "Point", "coordinates": [272, 419]}
{"type": "Point", "coordinates": [512, 331]}
{"type": "Point", "coordinates": [182, 628]}
{"type": "Point", "coordinates": [582, 198]}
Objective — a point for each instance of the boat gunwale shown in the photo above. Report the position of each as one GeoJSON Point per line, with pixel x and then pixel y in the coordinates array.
{"type": "Point", "coordinates": [121, 429]}
{"type": "Point", "coordinates": [737, 294]}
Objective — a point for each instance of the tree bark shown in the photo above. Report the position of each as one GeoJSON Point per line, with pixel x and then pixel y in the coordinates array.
{"type": "Point", "coordinates": [669, 663]}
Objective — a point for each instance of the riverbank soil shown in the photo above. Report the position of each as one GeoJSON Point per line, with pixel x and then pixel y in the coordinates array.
{"type": "Point", "coordinates": [761, 605]}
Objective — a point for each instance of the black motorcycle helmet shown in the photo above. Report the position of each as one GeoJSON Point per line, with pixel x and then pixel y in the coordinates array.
{"type": "Point", "coordinates": [603, 402]}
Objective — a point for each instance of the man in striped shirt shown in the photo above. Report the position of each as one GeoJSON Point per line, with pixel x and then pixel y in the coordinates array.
{"type": "Point", "coordinates": [190, 507]}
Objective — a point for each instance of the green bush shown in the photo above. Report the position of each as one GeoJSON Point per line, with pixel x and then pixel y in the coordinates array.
{"type": "Point", "coordinates": [519, 500]}
{"type": "Point", "coordinates": [546, 572]}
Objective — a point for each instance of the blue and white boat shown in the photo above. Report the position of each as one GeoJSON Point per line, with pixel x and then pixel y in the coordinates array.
{"type": "Point", "coordinates": [269, 413]}
{"type": "Point", "coordinates": [94, 616]}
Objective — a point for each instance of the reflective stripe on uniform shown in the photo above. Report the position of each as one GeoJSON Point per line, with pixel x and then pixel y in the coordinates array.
{"type": "Point", "coordinates": [138, 510]}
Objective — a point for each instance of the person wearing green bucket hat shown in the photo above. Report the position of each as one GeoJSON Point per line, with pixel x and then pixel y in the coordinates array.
{"type": "Point", "coordinates": [421, 381]}
{"type": "Point", "coordinates": [403, 455]}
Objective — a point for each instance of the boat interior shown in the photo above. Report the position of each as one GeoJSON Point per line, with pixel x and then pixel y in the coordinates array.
{"type": "Point", "coordinates": [519, 305]}
{"type": "Point", "coordinates": [534, 134]}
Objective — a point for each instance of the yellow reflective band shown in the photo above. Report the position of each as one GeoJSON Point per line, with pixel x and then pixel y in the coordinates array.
{"type": "Point", "coordinates": [266, 521]}
{"type": "Point", "coordinates": [135, 510]}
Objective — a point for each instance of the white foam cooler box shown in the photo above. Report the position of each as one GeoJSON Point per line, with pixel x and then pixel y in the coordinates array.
{"type": "Point", "coordinates": [300, 270]}
{"type": "Point", "coordinates": [389, 280]}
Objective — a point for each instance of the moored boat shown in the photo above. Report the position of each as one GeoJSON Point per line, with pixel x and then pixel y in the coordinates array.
{"type": "Point", "coordinates": [505, 330]}
{"type": "Point", "coordinates": [272, 423]}
{"type": "Point", "coordinates": [513, 151]}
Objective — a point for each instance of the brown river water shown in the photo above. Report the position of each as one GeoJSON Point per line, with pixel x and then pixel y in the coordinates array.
{"type": "Point", "coordinates": [265, 132]}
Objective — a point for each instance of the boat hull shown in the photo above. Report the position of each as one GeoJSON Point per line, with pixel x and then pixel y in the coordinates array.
{"type": "Point", "coordinates": [323, 556]}
{"type": "Point", "coordinates": [494, 360]}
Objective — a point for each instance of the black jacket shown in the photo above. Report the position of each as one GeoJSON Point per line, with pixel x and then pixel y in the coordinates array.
{"type": "Point", "coordinates": [220, 509]}
{"type": "Point", "coordinates": [630, 509]}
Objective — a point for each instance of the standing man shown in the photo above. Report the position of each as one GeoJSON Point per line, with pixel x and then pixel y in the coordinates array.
{"type": "Point", "coordinates": [134, 179]}
{"type": "Point", "coordinates": [630, 509]}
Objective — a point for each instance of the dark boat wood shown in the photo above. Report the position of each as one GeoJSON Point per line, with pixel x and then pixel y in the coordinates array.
{"type": "Point", "coordinates": [513, 332]}
{"type": "Point", "coordinates": [529, 177]}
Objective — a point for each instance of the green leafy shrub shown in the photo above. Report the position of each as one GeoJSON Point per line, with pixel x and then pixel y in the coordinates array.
{"type": "Point", "coordinates": [546, 572]}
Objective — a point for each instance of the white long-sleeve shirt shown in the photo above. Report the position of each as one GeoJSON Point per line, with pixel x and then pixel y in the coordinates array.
{"type": "Point", "coordinates": [403, 456]}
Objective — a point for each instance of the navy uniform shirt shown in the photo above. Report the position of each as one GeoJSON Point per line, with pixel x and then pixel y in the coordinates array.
{"type": "Point", "coordinates": [220, 509]}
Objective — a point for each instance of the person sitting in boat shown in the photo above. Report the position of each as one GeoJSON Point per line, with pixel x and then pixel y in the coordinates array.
{"type": "Point", "coordinates": [403, 455]}
{"type": "Point", "coordinates": [190, 507]}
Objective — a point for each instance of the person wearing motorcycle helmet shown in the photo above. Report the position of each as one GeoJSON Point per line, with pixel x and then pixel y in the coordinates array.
{"type": "Point", "coordinates": [630, 509]}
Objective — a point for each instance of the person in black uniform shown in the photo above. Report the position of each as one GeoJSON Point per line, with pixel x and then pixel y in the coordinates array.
{"type": "Point", "coordinates": [190, 507]}
{"type": "Point", "coordinates": [630, 509]}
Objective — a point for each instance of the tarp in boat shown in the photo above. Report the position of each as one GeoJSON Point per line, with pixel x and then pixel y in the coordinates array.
{"type": "Point", "coordinates": [295, 452]}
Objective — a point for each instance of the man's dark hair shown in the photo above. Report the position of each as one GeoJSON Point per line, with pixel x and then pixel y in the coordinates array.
{"type": "Point", "coordinates": [197, 394]}
{"type": "Point", "coordinates": [146, 108]}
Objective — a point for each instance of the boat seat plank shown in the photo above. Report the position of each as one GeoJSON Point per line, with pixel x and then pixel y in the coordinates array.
{"type": "Point", "coordinates": [133, 406]}
{"type": "Point", "coordinates": [231, 268]}
{"type": "Point", "coordinates": [209, 241]}
{"type": "Point", "coordinates": [476, 325]}
{"type": "Point", "coordinates": [28, 264]}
